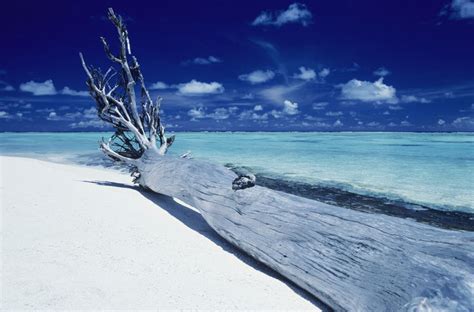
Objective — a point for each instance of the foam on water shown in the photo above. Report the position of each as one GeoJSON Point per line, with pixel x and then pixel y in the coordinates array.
{"type": "Point", "coordinates": [424, 169]}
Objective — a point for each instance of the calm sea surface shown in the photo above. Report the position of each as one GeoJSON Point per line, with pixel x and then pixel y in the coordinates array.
{"type": "Point", "coordinates": [418, 169]}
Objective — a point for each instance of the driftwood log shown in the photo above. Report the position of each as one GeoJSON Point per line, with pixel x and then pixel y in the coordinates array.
{"type": "Point", "coordinates": [351, 260]}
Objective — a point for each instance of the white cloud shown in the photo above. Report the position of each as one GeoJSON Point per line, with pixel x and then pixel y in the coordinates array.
{"type": "Point", "coordinates": [334, 114]}
{"type": "Point", "coordinates": [321, 124]}
{"type": "Point", "coordinates": [258, 108]}
{"type": "Point", "coordinates": [296, 13]}
{"type": "Point", "coordinates": [220, 113]}
{"type": "Point", "coordinates": [367, 91]}
{"type": "Point", "coordinates": [308, 74]}
{"type": "Point", "coordinates": [89, 119]}
{"type": "Point", "coordinates": [196, 113]}
{"type": "Point", "coordinates": [305, 74]}
{"type": "Point", "coordinates": [278, 94]}
{"type": "Point", "coordinates": [47, 88]}
{"type": "Point", "coordinates": [265, 18]}
{"type": "Point", "coordinates": [39, 88]}
{"type": "Point", "coordinates": [290, 108]}
{"type": "Point", "coordinates": [195, 87]}
{"type": "Point", "coordinates": [462, 9]}
{"type": "Point", "coordinates": [213, 59]}
{"type": "Point", "coordinates": [170, 126]}
{"type": "Point", "coordinates": [90, 113]}
{"type": "Point", "coordinates": [97, 123]}
{"type": "Point", "coordinates": [382, 72]}
{"type": "Point", "coordinates": [206, 61]}
{"type": "Point", "coordinates": [4, 86]}
{"type": "Point", "coordinates": [395, 107]}
{"type": "Point", "coordinates": [324, 73]}
{"type": "Point", "coordinates": [414, 99]}
{"type": "Point", "coordinates": [203, 60]}
{"type": "Point", "coordinates": [68, 91]}
{"type": "Point", "coordinates": [44, 110]}
{"type": "Point", "coordinates": [320, 105]}
{"type": "Point", "coordinates": [258, 76]}
{"type": "Point", "coordinates": [252, 115]}
{"type": "Point", "coordinates": [248, 96]}
{"type": "Point", "coordinates": [8, 88]}
{"type": "Point", "coordinates": [465, 123]}
{"type": "Point", "coordinates": [313, 118]}
{"type": "Point", "coordinates": [405, 123]}
{"type": "Point", "coordinates": [159, 85]}
{"type": "Point", "coordinates": [338, 123]}
{"type": "Point", "coordinates": [276, 114]}
{"type": "Point", "coordinates": [373, 124]}
{"type": "Point", "coordinates": [85, 115]}
{"type": "Point", "coordinates": [53, 116]}
{"type": "Point", "coordinates": [441, 122]}
{"type": "Point", "coordinates": [5, 115]}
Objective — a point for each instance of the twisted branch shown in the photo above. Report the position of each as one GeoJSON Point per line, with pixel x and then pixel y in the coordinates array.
{"type": "Point", "coordinates": [137, 129]}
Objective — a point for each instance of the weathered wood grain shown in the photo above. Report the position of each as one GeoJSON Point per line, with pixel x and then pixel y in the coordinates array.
{"type": "Point", "coordinates": [351, 260]}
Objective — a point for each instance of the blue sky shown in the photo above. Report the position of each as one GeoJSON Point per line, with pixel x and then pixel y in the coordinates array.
{"type": "Point", "coordinates": [249, 65]}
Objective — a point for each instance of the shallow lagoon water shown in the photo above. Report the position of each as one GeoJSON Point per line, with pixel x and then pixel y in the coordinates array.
{"type": "Point", "coordinates": [435, 170]}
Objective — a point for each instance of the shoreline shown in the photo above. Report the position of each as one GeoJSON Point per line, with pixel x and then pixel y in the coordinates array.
{"type": "Point", "coordinates": [406, 169]}
{"type": "Point", "coordinates": [84, 237]}
{"type": "Point", "coordinates": [454, 218]}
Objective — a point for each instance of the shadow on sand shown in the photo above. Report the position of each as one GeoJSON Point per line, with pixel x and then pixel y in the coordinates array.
{"type": "Point", "coordinates": [194, 221]}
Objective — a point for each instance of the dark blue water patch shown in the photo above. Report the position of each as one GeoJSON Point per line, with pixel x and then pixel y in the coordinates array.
{"type": "Point", "coordinates": [458, 220]}
{"type": "Point", "coordinates": [406, 145]}
{"type": "Point", "coordinates": [454, 142]}
{"type": "Point", "coordinates": [301, 141]}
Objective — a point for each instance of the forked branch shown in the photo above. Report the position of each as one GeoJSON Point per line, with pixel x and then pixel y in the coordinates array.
{"type": "Point", "coordinates": [137, 129]}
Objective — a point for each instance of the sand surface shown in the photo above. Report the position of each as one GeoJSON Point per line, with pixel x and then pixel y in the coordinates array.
{"type": "Point", "coordinates": [85, 238]}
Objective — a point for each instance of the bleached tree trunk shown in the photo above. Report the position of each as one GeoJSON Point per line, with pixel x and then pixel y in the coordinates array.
{"type": "Point", "coordinates": [352, 261]}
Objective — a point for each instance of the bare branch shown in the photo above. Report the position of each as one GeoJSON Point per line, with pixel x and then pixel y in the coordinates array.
{"type": "Point", "coordinates": [137, 130]}
{"type": "Point", "coordinates": [108, 52]}
{"type": "Point", "coordinates": [86, 69]}
{"type": "Point", "coordinates": [105, 147]}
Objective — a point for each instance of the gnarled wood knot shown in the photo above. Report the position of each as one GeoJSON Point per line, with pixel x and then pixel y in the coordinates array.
{"type": "Point", "coordinates": [243, 181]}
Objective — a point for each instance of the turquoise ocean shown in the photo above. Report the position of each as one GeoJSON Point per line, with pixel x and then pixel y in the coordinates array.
{"type": "Point", "coordinates": [394, 171]}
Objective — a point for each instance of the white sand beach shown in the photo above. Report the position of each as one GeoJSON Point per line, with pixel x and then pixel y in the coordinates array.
{"type": "Point", "coordinates": [85, 238]}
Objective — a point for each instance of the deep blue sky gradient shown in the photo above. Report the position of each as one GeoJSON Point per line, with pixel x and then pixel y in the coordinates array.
{"type": "Point", "coordinates": [426, 47]}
